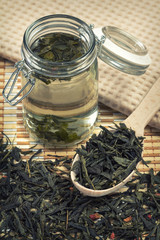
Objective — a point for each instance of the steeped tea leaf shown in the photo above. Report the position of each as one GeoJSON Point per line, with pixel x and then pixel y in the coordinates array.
{"type": "Point", "coordinates": [50, 128]}
{"type": "Point", "coordinates": [58, 47]}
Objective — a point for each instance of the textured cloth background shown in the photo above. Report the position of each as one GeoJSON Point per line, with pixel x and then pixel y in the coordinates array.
{"type": "Point", "coordinates": [117, 90]}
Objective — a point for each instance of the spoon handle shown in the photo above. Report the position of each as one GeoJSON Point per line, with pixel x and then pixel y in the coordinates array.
{"type": "Point", "coordinates": [147, 108]}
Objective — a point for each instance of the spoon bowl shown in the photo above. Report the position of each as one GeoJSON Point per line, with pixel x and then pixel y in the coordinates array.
{"type": "Point", "coordinates": [137, 121]}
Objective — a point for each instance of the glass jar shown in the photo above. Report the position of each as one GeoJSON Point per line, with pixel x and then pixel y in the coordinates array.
{"type": "Point", "coordinates": [60, 75]}
{"type": "Point", "coordinates": [62, 107]}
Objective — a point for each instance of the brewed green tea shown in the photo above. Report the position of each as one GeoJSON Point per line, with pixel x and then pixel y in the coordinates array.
{"type": "Point", "coordinates": [61, 110]}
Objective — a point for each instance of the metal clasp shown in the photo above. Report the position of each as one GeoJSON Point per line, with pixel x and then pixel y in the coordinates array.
{"type": "Point", "coordinates": [100, 38]}
{"type": "Point", "coordinates": [8, 93]}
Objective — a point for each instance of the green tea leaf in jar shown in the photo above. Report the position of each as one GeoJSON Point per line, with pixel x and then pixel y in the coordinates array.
{"type": "Point", "coordinates": [58, 47]}
{"type": "Point", "coordinates": [62, 108]}
{"type": "Point", "coordinates": [49, 56]}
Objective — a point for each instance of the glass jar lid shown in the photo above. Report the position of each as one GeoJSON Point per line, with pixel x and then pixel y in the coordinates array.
{"type": "Point", "coordinates": [122, 50]}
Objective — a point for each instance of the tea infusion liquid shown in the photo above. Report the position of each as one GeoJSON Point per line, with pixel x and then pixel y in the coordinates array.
{"type": "Point", "coordinates": [61, 111]}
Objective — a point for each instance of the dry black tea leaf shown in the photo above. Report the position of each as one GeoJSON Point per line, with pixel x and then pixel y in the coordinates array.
{"type": "Point", "coordinates": [108, 157]}
{"type": "Point", "coordinates": [46, 206]}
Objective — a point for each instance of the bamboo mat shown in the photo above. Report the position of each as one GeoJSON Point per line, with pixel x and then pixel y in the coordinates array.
{"type": "Point", "coordinates": [11, 123]}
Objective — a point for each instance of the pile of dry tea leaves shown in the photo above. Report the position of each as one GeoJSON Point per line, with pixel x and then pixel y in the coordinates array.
{"type": "Point", "coordinates": [38, 201]}
{"type": "Point", "coordinates": [108, 158]}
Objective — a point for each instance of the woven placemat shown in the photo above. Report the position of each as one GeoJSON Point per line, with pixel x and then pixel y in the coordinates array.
{"type": "Point", "coordinates": [11, 123]}
{"type": "Point", "coordinates": [117, 90]}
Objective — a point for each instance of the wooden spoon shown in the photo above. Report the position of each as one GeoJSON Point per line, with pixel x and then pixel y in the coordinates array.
{"type": "Point", "coordinates": [137, 121]}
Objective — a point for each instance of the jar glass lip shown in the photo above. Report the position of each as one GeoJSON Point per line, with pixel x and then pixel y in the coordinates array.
{"type": "Point", "coordinates": [37, 26]}
{"type": "Point", "coordinates": [122, 50]}
{"type": "Point", "coordinates": [124, 40]}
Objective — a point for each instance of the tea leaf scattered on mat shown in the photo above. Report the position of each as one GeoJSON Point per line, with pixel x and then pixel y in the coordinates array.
{"type": "Point", "coordinates": [47, 206]}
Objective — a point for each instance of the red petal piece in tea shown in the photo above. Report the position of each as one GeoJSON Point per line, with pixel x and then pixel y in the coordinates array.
{"type": "Point", "coordinates": [112, 236]}
{"type": "Point", "coordinates": [128, 219]}
{"type": "Point", "coordinates": [95, 216]}
{"type": "Point", "coordinates": [149, 216]}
